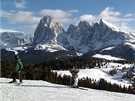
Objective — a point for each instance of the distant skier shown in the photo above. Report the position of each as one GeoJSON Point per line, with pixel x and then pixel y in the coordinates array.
{"type": "Point", "coordinates": [17, 69]}
{"type": "Point", "coordinates": [74, 79]}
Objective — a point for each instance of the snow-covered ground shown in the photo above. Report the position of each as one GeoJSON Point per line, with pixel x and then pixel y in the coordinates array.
{"type": "Point", "coordinates": [49, 47]}
{"type": "Point", "coordinates": [44, 91]}
{"type": "Point", "coordinates": [97, 74]}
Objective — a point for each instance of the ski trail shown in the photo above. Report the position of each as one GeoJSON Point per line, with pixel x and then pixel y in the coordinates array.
{"type": "Point", "coordinates": [44, 91]}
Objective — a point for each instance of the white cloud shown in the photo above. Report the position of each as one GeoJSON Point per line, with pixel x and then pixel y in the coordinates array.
{"type": "Point", "coordinates": [73, 11]}
{"type": "Point", "coordinates": [31, 27]}
{"type": "Point", "coordinates": [117, 19]}
{"type": "Point", "coordinates": [126, 27]}
{"type": "Point", "coordinates": [20, 4]}
{"type": "Point", "coordinates": [59, 15]}
{"type": "Point", "coordinates": [109, 11]}
{"type": "Point", "coordinates": [68, 17]}
{"type": "Point", "coordinates": [108, 14]}
{"type": "Point", "coordinates": [21, 17]}
{"type": "Point", "coordinates": [111, 16]}
{"type": "Point", "coordinates": [129, 15]}
{"type": "Point", "coordinates": [87, 17]}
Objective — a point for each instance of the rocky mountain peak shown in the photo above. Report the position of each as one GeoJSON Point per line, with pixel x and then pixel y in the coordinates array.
{"type": "Point", "coordinates": [46, 19]}
{"type": "Point", "coordinates": [119, 33]}
{"type": "Point", "coordinates": [47, 31]}
{"type": "Point", "coordinates": [48, 22]}
{"type": "Point", "coordinates": [101, 21]}
{"type": "Point", "coordinates": [71, 27]}
{"type": "Point", "coordinates": [83, 25]}
{"type": "Point", "coordinates": [82, 38]}
{"type": "Point", "coordinates": [105, 23]}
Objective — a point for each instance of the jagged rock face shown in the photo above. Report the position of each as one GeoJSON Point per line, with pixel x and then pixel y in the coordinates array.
{"type": "Point", "coordinates": [79, 36]}
{"type": "Point", "coordinates": [84, 38]}
{"type": "Point", "coordinates": [47, 31]}
{"type": "Point", "coordinates": [13, 39]}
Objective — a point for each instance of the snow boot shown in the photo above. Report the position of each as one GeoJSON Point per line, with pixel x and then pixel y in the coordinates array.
{"type": "Point", "coordinates": [12, 82]}
{"type": "Point", "coordinates": [75, 86]}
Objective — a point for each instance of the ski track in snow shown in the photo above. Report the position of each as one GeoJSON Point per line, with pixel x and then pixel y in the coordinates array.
{"type": "Point", "coordinates": [44, 91]}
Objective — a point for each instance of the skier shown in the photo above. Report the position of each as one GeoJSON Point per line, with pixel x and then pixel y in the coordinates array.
{"type": "Point", "coordinates": [74, 73]}
{"type": "Point", "coordinates": [17, 69]}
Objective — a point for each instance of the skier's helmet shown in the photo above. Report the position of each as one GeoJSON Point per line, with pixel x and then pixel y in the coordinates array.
{"type": "Point", "coordinates": [16, 57]}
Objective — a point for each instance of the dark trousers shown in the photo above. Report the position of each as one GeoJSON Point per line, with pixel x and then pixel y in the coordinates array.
{"type": "Point", "coordinates": [72, 81]}
{"type": "Point", "coordinates": [15, 75]}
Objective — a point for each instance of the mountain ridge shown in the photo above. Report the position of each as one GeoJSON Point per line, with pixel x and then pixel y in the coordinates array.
{"type": "Point", "coordinates": [83, 38]}
{"type": "Point", "coordinates": [14, 39]}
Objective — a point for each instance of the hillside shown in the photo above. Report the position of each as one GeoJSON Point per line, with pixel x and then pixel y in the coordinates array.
{"type": "Point", "coordinates": [44, 91]}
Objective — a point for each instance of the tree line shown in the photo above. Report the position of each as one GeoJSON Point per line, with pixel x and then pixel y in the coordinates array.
{"type": "Point", "coordinates": [44, 71]}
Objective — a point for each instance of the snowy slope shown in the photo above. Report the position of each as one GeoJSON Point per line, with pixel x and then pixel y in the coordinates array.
{"type": "Point", "coordinates": [103, 73]}
{"type": "Point", "coordinates": [98, 74]}
{"type": "Point", "coordinates": [113, 27]}
{"type": "Point", "coordinates": [49, 47]}
{"type": "Point", "coordinates": [44, 91]}
{"type": "Point", "coordinates": [107, 57]}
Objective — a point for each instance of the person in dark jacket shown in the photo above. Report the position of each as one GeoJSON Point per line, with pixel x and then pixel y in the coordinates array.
{"type": "Point", "coordinates": [17, 69]}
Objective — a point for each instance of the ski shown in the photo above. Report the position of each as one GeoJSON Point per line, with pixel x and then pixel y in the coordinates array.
{"type": "Point", "coordinates": [82, 88]}
{"type": "Point", "coordinates": [16, 83]}
{"type": "Point", "coordinates": [19, 83]}
{"type": "Point", "coordinates": [12, 82]}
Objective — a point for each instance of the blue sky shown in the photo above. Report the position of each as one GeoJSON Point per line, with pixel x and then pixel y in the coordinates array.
{"type": "Point", "coordinates": [24, 15]}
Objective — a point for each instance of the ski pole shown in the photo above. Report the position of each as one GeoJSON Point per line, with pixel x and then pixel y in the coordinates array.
{"type": "Point", "coordinates": [70, 80]}
{"type": "Point", "coordinates": [19, 76]}
{"type": "Point", "coordinates": [10, 74]}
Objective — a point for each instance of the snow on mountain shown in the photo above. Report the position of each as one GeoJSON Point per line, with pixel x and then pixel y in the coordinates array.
{"type": "Point", "coordinates": [83, 38]}
{"type": "Point", "coordinates": [78, 37]}
{"type": "Point", "coordinates": [14, 39]}
{"type": "Point", "coordinates": [49, 47]}
{"type": "Point", "coordinates": [44, 91]}
{"type": "Point", "coordinates": [131, 45]}
{"type": "Point", "coordinates": [108, 48]}
{"type": "Point", "coordinates": [107, 57]}
{"type": "Point", "coordinates": [111, 25]}
{"type": "Point", "coordinates": [7, 30]}
{"type": "Point", "coordinates": [47, 32]}
{"type": "Point", "coordinates": [128, 36]}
